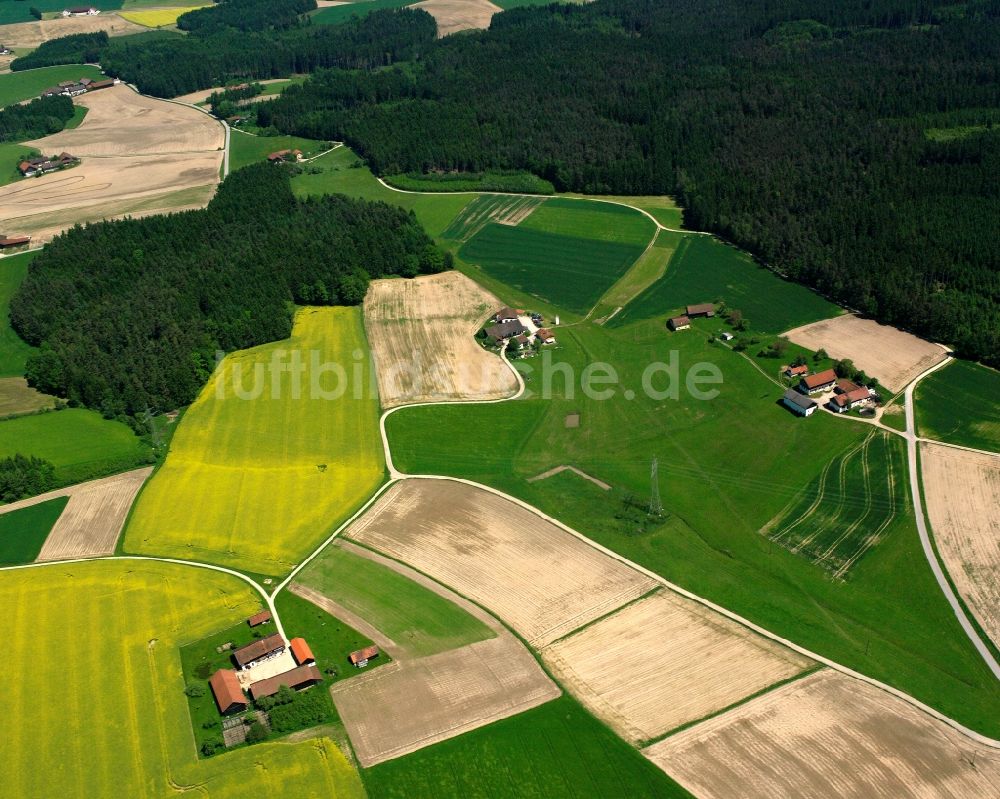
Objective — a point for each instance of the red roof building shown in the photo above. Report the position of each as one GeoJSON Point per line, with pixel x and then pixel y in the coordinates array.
{"type": "Point", "coordinates": [14, 241]}
{"type": "Point", "coordinates": [819, 381]}
{"type": "Point", "coordinates": [297, 678]}
{"type": "Point", "coordinates": [360, 657]}
{"type": "Point", "coordinates": [259, 650]}
{"type": "Point", "coordinates": [227, 691]}
{"type": "Point", "coordinates": [679, 323]}
{"type": "Point", "coordinates": [259, 618]}
{"type": "Point", "coordinates": [301, 652]}
{"type": "Point", "coordinates": [796, 371]}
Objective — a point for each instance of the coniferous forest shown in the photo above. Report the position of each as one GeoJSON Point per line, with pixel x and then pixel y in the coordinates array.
{"type": "Point", "coordinates": [129, 314]}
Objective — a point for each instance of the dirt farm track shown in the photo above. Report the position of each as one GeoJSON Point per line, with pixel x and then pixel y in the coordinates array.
{"type": "Point", "coordinates": [139, 156]}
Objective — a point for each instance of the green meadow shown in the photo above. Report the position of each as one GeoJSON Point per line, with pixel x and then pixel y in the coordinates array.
{"type": "Point", "coordinates": [342, 172]}
{"type": "Point", "coordinates": [79, 443]}
{"type": "Point", "coordinates": [960, 404]}
{"type": "Point", "coordinates": [555, 751]}
{"type": "Point", "coordinates": [705, 270]}
{"type": "Point", "coordinates": [23, 532]}
{"type": "Point", "coordinates": [727, 466]}
{"type": "Point", "coordinates": [245, 149]}
{"type": "Point", "coordinates": [13, 350]}
{"type": "Point", "coordinates": [413, 616]}
{"type": "Point", "coordinates": [26, 85]}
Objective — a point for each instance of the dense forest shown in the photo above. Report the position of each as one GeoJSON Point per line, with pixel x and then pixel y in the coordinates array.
{"type": "Point", "coordinates": [33, 120]}
{"type": "Point", "coordinates": [853, 146]}
{"type": "Point", "coordinates": [80, 48]}
{"type": "Point", "coordinates": [246, 15]}
{"type": "Point", "coordinates": [129, 314]}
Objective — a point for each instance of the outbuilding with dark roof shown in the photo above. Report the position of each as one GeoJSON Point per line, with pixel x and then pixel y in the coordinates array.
{"type": "Point", "coordinates": [297, 679]}
{"type": "Point", "coordinates": [798, 402]}
{"type": "Point", "coordinates": [262, 649]}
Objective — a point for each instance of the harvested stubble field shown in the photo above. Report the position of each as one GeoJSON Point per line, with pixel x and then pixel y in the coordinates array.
{"type": "Point", "coordinates": [256, 482]}
{"type": "Point", "coordinates": [422, 339]}
{"type": "Point", "coordinates": [848, 508]}
{"type": "Point", "coordinates": [887, 353]}
{"type": "Point", "coordinates": [501, 208]}
{"type": "Point", "coordinates": [120, 710]}
{"type": "Point", "coordinates": [963, 504]}
{"type": "Point", "coordinates": [827, 735]}
{"type": "Point", "coordinates": [665, 661]}
{"type": "Point", "coordinates": [459, 15]}
{"type": "Point", "coordinates": [538, 578]}
{"type": "Point", "coordinates": [139, 156]}
{"type": "Point", "coordinates": [93, 520]}
{"type": "Point", "coordinates": [417, 702]}
{"type": "Point", "coordinates": [28, 35]}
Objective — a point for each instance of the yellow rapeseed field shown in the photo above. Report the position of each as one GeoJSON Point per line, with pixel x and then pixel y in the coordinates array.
{"type": "Point", "coordinates": [94, 701]}
{"type": "Point", "coordinates": [257, 483]}
{"type": "Point", "coordinates": [156, 17]}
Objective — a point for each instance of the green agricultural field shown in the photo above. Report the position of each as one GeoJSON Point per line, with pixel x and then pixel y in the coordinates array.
{"type": "Point", "coordinates": [341, 172]}
{"type": "Point", "coordinates": [245, 149]}
{"type": "Point", "coordinates": [849, 508]}
{"type": "Point", "coordinates": [569, 271]}
{"type": "Point", "coordinates": [960, 404]}
{"type": "Point", "coordinates": [256, 480]}
{"type": "Point", "coordinates": [662, 208]}
{"type": "Point", "coordinates": [650, 267]}
{"type": "Point", "coordinates": [11, 153]}
{"type": "Point", "coordinates": [338, 14]}
{"type": "Point", "coordinates": [18, 86]}
{"type": "Point", "coordinates": [585, 219]}
{"type": "Point", "coordinates": [488, 208]}
{"type": "Point", "coordinates": [79, 443]}
{"type": "Point", "coordinates": [705, 270]}
{"type": "Point", "coordinates": [13, 350]}
{"type": "Point", "coordinates": [416, 618]}
{"type": "Point", "coordinates": [727, 466]}
{"type": "Point", "coordinates": [552, 751]}
{"type": "Point", "coordinates": [121, 711]}
{"type": "Point", "coordinates": [22, 532]}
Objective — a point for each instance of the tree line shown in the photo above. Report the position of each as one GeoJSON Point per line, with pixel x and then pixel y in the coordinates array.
{"type": "Point", "coordinates": [800, 130]}
{"type": "Point", "coordinates": [129, 314]}
{"type": "Point", "coordinates": [40, 117]}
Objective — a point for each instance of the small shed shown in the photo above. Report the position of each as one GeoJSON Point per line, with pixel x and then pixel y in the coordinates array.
{"type": "Point", "coordinates": [702, 309]}
{"type": "Point", "coordinates": [798, 402]}
{"type": "Point", "coordinates": [360, 657]}
{"type": "Point", "coordinates": [259, 618]}
{"type": "Point", "coordinates": [679, 323]}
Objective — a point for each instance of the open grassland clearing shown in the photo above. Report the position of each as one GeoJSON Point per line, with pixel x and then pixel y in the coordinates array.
{"type": "Point", "coordinates": [17, 397]}
{"type": "Point", "coordinates": [706, 270]}
{"type": "Point", "coordinates": [827, 735]}
{"type": "Point", "coordinates": [342, 172]}
{"type": "Point", "coordinates": [503, 209]}
{"type": "Point", "coordinates": [849, 507]}
{"type": "Point", "coordinates": [893, 356]}
{"type": "Point", "coordinates": [960, 404]}
{"type": "Point", "coordinates": [541, 580]}
{"type": "Point", "coordinates": [422, 334]}
{"type": "Point", "coordinates": [257, 482]}
{"type": "Point", "coordinates": [23, 530]}
{"type": "Point", "coordinates": [417, 620]}
{"type": "Point", "coordinates": [727, 466]}
{"type": "Point", "coordinates": [650, 267]}
{"type": "Point", "coordinates": [18, 86]}
{"type": "Point", "coordinates": [28, 35]}
{"type": "Point", "coordinates": [79, 443]}
{"type": "Point", "coordinates": [245, 149]}
{"type": "Point", "coordinates": [591, 220]}
{"type": "Point", "coordinates": [459, 15]}
{"type": "Point", "coordinates": [665, 661]}
{"type": "Point", "coordinates": [962, 491]}
{"type": "Point", "coordinates": [121, 708]}
{"type": "Point", "coordinates": [157, 17]}
{"type": "Point", "coordinates": [121, 122]}
{"type": "Point", "coordinates": [555, 751]}
{"type": "Point", "coordinates": [93, 520]}
{"type": "Point", "coordinates": [662, 208]}
{"type": "Point", "coordinates": [14, 351]}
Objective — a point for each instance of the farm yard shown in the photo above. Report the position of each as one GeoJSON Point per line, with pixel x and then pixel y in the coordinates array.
{"type": "Point", "coordinates": [18, 86]}
{"type": "Point", "coordinates": [962, 491]}
{"type": "Point", "coordinates": [539, 579]}
{"type": "Point", "coordinates": [849, 508]}
{"type": "Point", "coordinates": [959, 404]}
{"type": "Point", "coordinates": [422, 332]}
{"type": "Point", "coordinates": [119, 624]}
{"type": "Point", "coordinates": [139, 156]}
{"type": "Point", "coordinates": [827, 735]}
{"type": "Point", "coordinates": [459, 15]}
{"type": "Point", "coordinates": [665, 661]}
{"type": "Point", "coordinates": [893, 356]}
{"type": "Point", "coordinates": [256, 483]}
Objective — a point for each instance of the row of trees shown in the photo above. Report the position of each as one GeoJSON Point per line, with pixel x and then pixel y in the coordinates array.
{"type": "Point", "coordinates": [129, 314]}
{"type": "Point", "coordinates": [33, 120]}
{"type": "Point", "coordinates": [807, 132]}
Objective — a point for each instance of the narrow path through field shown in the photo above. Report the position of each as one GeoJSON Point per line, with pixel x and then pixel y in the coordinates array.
{"type": "Point", "coordinates": [567, 468]}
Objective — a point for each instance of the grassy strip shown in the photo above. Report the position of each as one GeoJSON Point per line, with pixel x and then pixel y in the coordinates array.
{"type": "Point", "coordinates": [23, 532]}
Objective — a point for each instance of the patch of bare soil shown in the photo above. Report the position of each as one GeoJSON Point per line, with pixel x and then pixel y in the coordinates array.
{"type": "Point", "coordinates": [28, 35]}
{"type": "Point", "coordinates": [459, 15]}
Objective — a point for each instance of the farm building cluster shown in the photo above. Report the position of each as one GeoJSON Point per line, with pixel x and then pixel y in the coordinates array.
{"type": "Point", "coordinates": [74, 88]}
{"type": "Point", "coordinates": [683, 322]}
{"type": "Point", "coordinates": [81, 11]}
{"type": "Point", "coordinates": [518, 331]}
{"type": "Point", "coordinates": [824, 387]}
{"type": "Point", "coordinates": [40, 165]}
{"type": "Point", "coordinates": [285, 156]}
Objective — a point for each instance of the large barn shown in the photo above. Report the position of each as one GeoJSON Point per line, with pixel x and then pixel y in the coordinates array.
{"type": "Point", "coordinates": [247, 656]}
{"type": "Point", "coordinates": [228, 694]}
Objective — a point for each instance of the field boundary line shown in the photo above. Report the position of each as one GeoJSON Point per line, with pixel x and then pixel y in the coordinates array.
{"type": "Point", "coordinates": [923, 527]}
